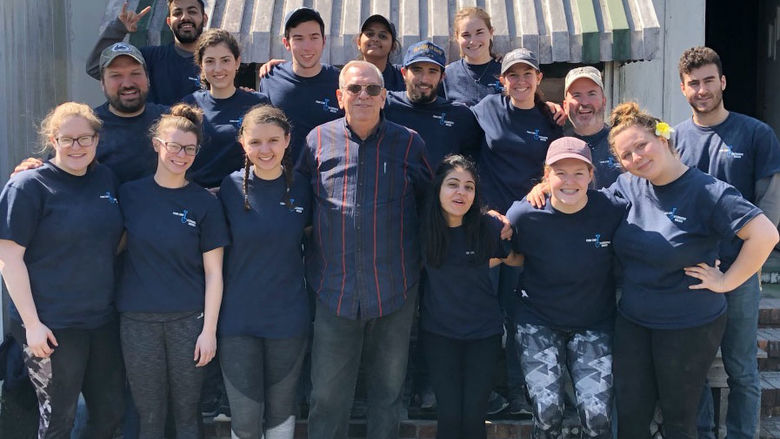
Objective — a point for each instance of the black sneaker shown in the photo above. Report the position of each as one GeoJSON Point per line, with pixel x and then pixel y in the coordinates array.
{"type": "Point", "coordinates": [520, 406]}
{"type": "Point", "coordinates": [496, 403]}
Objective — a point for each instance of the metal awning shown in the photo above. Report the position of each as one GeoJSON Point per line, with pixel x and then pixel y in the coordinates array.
{"type": "Point", "coordinates": [575, 31]}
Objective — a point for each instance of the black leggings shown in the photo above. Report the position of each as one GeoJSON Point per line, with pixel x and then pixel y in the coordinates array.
{"type": "Point", "coordinates": [664, 365]}
{"type": "Point", "coordinates": [461, 373]}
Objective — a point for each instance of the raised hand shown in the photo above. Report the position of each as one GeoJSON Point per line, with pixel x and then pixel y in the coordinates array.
{"type": "Point", "coordinates": [130, 19]}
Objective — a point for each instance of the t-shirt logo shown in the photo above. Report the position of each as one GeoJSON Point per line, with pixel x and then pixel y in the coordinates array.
{"type": "Point", "coordinates": [611, 163]}
{"type": "Point", "coordinates": [293, 207]}
{"type": "Point", "coordinates": [183, 218]}
{"type": "Point", "coordinates": [111, 199]}
{"type": "Point", "coordinates": [597, 242]}
{"type": "Point", "coordinates": [442, 121]}
{"type": "Point", "coordinates": [674, 217]}
{"type": "Point", "coordinates": [537, 136]}
{"type": "Point", "coordinates": [325, 105]}
{"type": "Point", "coordinates": [194, 79]}
{"type": "Point", "coordinates": [729, 151]}
{"type": "Point", "coordinates": [496, 86]}
{"type": "Point", "coordinates": [236, 122]}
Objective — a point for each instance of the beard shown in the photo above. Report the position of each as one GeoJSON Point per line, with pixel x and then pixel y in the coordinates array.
{"type": "Point", "coordinates": [417, 97]}
{"type": "Point", "coordinates": [188, 37]}
{"type": "Point", "coordinates": [717, 98]}
{"type": "Point", "coordinates": [127, 107]}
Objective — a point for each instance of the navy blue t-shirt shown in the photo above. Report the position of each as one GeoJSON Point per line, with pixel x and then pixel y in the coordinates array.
{"type": "Point", "coordinates": [607, 167]}
{"type": "Point", "coordinates": [265, 294]}
{"type": "Point", "coordinates": [125, 143]}
{"type": "Point", "coordinates": [70, 226]}
{"type": "Point", "coordinates": [668, 228]}
{"type": "Point", "coordinates": [394, 80]}
{"type": "Point", "coordinates": [173, 73]}
{"type": "Point", "coordinates": [168, 230]}
{"type": "Point", "coordinates": [460, 301]}
{"type": "Point", "coordinates": [220, 152]}
{"type": "Point", "coordinates": [446, 127]}
{"type": "Point", "coordinates": [470, 83]}
{"type": "Point", "coordinates": [511, 160]}
{"type": "Point", "coordinates": [307, 102]}
{"type": "Point", "coordinates": [568, 276]}
{"type": "Point", "coordinates": [740, 151]}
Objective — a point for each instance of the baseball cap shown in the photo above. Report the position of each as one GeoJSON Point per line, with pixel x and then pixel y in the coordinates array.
{"type": "Point", "coordinates": [377, 18]}
{"type": "Point", "coordinates": [568, 148]}
{"type": "Point", "coordinates": [300, 15]}
{"type": "Point", "coordinates": [521, 55]}
{"type": "Point", "coordinates": [588, 72]}
{"type": "Point", "coordinates": [425, 51]}
{"type": "Point", "coordinates": [110, 53]}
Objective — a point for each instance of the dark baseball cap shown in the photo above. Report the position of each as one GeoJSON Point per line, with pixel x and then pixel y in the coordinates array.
{"type": "Point", "coordinates": [110, 53]}
{"type": "Point", "coordinates": [425, 51]}
{"type": "Point", "coordinates": [301, 15]}
{"type": "Point", "coordinates": [521, 55]}
{"type": "Point", "coordinates": [377, 18]}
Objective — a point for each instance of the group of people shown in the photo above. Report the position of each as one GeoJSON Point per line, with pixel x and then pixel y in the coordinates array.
{"type": "Point", "coordinates": [363, 194]}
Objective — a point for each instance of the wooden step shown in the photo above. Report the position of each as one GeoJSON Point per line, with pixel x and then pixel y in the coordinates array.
{"type": "Point", "coordinates": [770, 428]}
{"type": "Point", "coordinates": [770, 393]}
{"type": "Point", "coordinates": [219, 428]}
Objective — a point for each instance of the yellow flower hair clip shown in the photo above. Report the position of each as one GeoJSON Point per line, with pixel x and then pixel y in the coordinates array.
{"type": "Point", "coordinates": [662, 129]}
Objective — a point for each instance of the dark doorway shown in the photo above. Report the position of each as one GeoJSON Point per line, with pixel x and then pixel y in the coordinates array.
{"type": "Point", "coordinates": [733, 31]}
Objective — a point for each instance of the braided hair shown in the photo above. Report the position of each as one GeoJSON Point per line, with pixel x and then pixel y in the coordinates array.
{"type": "Point", "coordinates": [267, 114]}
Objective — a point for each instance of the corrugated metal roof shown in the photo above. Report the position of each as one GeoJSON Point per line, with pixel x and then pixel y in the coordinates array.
{"type": "Point", "coordinates": [586, 31]}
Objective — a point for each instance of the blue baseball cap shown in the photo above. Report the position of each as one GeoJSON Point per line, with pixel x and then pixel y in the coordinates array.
{"type": "Point", "coordinates": [425, 51]}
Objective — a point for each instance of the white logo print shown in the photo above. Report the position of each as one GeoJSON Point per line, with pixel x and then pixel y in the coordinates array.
{"type": "Point", "coordinates": [183, 218]}
{"type": "Point", "coordinates": [674, 217]}
{"type": "Point", "coordinates": [597, 242]}
{"type": "Point", "coordinates": [729, 151]}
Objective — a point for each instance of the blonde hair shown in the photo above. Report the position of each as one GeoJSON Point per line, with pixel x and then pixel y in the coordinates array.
{"type": "Point", "coordinates": [480, 13]}
{"type": "Point", "coordinates": [50, 124]}
{"type": "Point", "coordinates": [182, 117]}
{"type": "Point", "coordinates": [628, 115]}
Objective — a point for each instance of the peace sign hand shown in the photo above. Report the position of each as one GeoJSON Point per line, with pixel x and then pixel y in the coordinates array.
{"type": "Point", "coordinates": [130, 19]}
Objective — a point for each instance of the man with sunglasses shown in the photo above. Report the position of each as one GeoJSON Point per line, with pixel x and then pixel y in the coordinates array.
{"type": "Point", "coordinates": [369, 176]}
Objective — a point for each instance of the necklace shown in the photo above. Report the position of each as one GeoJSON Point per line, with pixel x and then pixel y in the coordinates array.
{"type": "Point", "coordinates": [468, 72]}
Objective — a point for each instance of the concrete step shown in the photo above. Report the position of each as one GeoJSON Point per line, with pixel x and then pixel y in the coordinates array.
{"type": "Point", "coordinates": [219, 428]}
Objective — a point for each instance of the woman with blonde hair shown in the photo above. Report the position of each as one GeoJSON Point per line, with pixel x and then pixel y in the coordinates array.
{"type": "Point", "coordinates": [672, 309]}
{"type": "Point", "coordinates": [60, 229]}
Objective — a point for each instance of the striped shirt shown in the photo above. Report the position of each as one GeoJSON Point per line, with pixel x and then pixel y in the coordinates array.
{"type": "Point", "coordinates": [364, 254]}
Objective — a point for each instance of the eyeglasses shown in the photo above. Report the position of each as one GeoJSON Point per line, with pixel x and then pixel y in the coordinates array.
{"type": "Point", "coordinates": [83, 141]}
{"type": "Point", "coordinates": [174, 148]}
{"type": "Point", "coordinates": [371, 89]}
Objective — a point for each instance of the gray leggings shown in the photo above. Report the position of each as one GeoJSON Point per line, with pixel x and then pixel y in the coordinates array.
{"type": "Point", "coordinates": [158, 349]}
{"type": "Point", "coordinates": [261, 378]}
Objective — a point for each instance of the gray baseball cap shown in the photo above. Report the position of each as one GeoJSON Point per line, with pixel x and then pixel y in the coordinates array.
{"type": "Point", "coordinates": [521, 55]}
{"type": "Point", "coordinates": [588, 72]}
{"type": "Point", "coordinates": [110, 53]}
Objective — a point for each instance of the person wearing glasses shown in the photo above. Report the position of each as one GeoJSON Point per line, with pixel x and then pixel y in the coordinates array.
{"type": "Point", "coordinates": [223, 105]}
{"type": "Point", "coordinates": [171, 286]}
{"type": "Point", "coordinates": [60, 228]}
{"type": "Point", "coordinates": [368, 176]}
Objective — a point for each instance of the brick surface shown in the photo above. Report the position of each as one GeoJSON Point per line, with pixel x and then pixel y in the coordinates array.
{"type": "Point", "coordinates": [769, 312]}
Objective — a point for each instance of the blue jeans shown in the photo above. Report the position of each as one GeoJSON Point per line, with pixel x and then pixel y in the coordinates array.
{"type": "Point", "coordinates": [339, 346]}
{"type": "Point", "coordinates": [738, 349]}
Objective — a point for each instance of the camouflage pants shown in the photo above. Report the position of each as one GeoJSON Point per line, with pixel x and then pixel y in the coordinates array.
{"type": "Point", "coordinates": [544, 354]}
{"type": "Point", "coordinates": [86, 361]}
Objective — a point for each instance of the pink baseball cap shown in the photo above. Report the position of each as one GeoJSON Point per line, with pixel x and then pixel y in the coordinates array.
{"type": "Point", "coordinates": [568, 148]}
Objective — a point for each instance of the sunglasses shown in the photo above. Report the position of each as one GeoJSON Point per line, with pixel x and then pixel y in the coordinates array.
{"type": "Point", "coordinates": [371, 89]}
